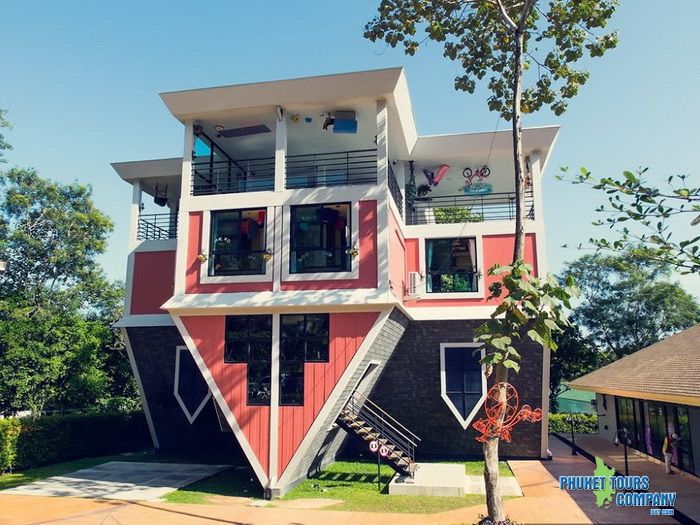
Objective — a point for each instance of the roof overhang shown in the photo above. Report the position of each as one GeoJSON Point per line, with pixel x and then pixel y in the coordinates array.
{"type": "Point", "coordinates": [650, 396]}
{"type": "Point", "coordinates": [142, 169]}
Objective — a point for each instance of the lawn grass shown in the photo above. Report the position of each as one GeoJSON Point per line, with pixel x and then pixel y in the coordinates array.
{"type": "Point", "coordinates": [237, 481]}
{"type": "Point", "coordinates": [476, 468]}
{"type": "Point", "coordinates": [355, 483]}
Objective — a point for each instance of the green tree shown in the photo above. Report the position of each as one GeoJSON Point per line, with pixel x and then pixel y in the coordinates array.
{"type": "Point", "coordinates": [628, 302]}
{"type": "Point", "coordinates": [574, 357]}
{"type": "Point", "coordinates": [655, 209]}
{"type": "Point", "coordinates": [4, 145]}
{"type": "Point", "coordinates": [57, 348]}
{"type": "Point", "coordinates": [502, 40]}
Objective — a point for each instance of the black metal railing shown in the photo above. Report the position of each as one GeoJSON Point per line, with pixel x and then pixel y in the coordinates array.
{"type": "Point", "coordinates": [384, 425]}
{"type": "Point", "coordinates": [340, 168]}
{"type": "Point", "coordinates": [445, 281]}
{"type": "Point", "coordinates": [467, 208]}
{"type": "Point", "coordinates": [233, 176]}
{"type": "Point", "coordinates": [156, 226]}
{"type": "Point", "coordinates": [237, 262]}
{"type": "Point", "coordinates": [395, 190]}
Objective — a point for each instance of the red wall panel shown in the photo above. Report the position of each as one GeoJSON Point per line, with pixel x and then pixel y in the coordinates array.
{"type": "Point", "coordinates": [194, 248]}
{"type": "Point", "coordinates": [207, 332]}
{"type": "Point", "coordinates": [152, 282]}
{"type": "Point", "coordinates": [498, 249]}
{"type": "Point", "coordinates": [347, 331]}
{"type": "Point", "coordinates": [368, 257]}
{"type": "Point", "coordinates": [397, 258]}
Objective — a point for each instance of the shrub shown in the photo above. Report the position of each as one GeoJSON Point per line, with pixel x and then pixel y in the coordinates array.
{"type": "Point", "coordinates": [32, 442]}
{"type": "Point", "coordinates": [583, 423]}
{"type": "Point", "coordinates": [456, 215]}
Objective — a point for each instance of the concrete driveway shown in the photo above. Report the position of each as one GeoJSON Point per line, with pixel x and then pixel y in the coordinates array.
{"type": "Point", "coordinates": [120, 480]}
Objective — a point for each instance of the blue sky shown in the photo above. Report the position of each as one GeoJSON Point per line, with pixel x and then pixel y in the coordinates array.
{"type": "Point", "coordinates": [81, 81]}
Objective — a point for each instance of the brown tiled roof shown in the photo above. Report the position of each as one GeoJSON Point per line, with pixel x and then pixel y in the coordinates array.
{"type": "Point", "coordinates": [668, 370]}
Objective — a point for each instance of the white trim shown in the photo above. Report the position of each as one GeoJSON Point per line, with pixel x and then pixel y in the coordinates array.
{"type": "Point", "coordinates": [223, 405]}
{"type": "Point", "coordinates": [445, 313]}
{"type": "Point", "coordinates": [205, 278]}
{"type": "Point", "coordinates": [155, 245]}
{"type": "Point", "coordinates": [139, 384]}
{"type": "Point", "coordinates": [357, 299]}
{"type": "Point", "coordinates": [128, 321]}
{"type": "Point", "coordinates": [277, 258]}
{"type": "Point", "coordinates": [323, 414]}
{"type": "Point", "coordinates": [135, 210]}
{"type": "Point", "coordinates": [422, 289]}
{"type": "Point", "coordinates": [183, 219]}
{"type": "Point", "coordinates": [443, 383]}
{"type": "Point", "coordinates": [354, 272]}
{"type": "Point", "coordinates": [176, 388]}
{"type": "Point", "coordinates": [280, 150]}
{"type": "Point", "coordinates": [129, 283]}
{"type": "Point", "coordinates": [274, 397]}
{"type": "Point", "coordinates": [258, 199]}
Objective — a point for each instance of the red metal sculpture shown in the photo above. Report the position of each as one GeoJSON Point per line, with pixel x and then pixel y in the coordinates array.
{"type": "Point", "coordinates": [502, 416]}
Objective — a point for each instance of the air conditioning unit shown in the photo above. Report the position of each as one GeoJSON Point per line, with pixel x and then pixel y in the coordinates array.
{"type": "Point", "coordinates": [413, 283]}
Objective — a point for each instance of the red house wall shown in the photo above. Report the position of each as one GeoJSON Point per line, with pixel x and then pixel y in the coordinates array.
{"type": "Point", "coordinates": [347, 331]}
{"type": "Point", "coordinates": [368, 257]}
{"type": "Point", "coordinates": [207, 332]}
{"type": "Point", "coordinates": [398, 276]}
{"type": "Point", "coordinates": [152, 282]}
{"type": "Point", "coordinates": [194, 248]}
{"type": "Point", "coordinates": [498, 249]}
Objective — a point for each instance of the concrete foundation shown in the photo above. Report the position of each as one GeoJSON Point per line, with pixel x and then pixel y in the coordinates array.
{"type": "Point", "coordinates": [446, 479]}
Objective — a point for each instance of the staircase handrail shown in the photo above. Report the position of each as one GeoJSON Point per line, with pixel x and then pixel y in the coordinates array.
{"type": "Point", "coordinates": [385, 415]}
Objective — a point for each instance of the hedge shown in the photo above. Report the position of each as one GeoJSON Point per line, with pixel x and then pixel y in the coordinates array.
{"type": "Point", "coordinates": [33, 442]}
{"type": "Point", "coordinates": [583, 423]}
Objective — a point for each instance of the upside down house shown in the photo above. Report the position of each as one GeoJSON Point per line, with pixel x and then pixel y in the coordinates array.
{"type": "Point", "coordinates": [312, 270]}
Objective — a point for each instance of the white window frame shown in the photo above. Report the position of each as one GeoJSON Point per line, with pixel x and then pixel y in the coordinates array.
{"type": "Point", "coordinates": [422, 289]}
{"type": "Point", "coordinates": [205, 278]}
{"type": "Point", "coordinates": [176, 388]}
{"type": "Point", "coordinates": [354, 272]}
{"type": "Point", "coordinates": [443, 382]}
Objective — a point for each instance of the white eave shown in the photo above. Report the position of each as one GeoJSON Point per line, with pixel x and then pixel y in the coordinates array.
{"type": "Point", "coordinates": [156, 168]}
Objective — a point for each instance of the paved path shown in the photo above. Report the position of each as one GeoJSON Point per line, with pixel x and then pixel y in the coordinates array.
{"type": "Point", "coordinates": [564, 464]}
{"type": "Point", "coordinates": [121, 480]}
{"type": "Point", "coordinates": [685, 485]}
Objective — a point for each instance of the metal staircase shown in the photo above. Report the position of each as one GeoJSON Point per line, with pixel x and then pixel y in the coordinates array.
{"type": "Point", "coordinates": [369, 422]}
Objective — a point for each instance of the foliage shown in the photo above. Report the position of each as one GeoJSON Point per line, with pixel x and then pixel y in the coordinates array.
{"type": "Point", "coordinates": [456, 215]}
{"type": "Point", "coordinates": [31, 442]}
{"type": "Point", "coordinates": [655, 209]}
{"type": "Point", "coordinates": [583, 423]}
{"type": "Point", "coordinates": [480, 36]}
{"type": "Point", "coordinates": [4, 145]}
{"type": "Point", "coordinates": [455, 282]}
{"type": "Point", "coordinates": [628, 302]}
{"type": "Point", "coordinates": [57, 349]}
{"type": "Point", "coordinates": [355, 483]}
{"type": "Point", "coordinates": [574, 357]}
{"type": "Point", "coordinates": [532, 306]}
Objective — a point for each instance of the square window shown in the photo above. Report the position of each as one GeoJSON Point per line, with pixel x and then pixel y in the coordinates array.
{"type": "Point", "coordinates": [259, 383]}
{"type": "Point", "coordinates": [320, 238]}
{"type": "Point", "coordinates": [292, 384]}
{"type": "Point", "coordinates": [238, 242]}
{"type": "Point", "coordinates": [451, 265]}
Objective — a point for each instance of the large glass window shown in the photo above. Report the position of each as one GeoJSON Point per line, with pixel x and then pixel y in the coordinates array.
{"type": "Point", "coordinates": [463, 378]}
{"type": "Point", "coordinates": [303, 338]}
{"type": "Point", "coordinates": [249, 340]}
{"type": "Point", "coordinates": [237, 245]}
{"type": "Point", "coordinates": [320, 238]}
{"type": "Point", "coordinates": [451, 265]}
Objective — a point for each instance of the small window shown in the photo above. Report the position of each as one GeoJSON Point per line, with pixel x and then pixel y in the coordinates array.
{"type": "Point", "coordinates": [191, 390]}
{"type": "Point", "coordinates": [463, 382]}
{"type": "Point", "coordinates": [303, 338]}
{"type": "Point", "coordinates": [249, 340]}
{"type": "Point", "coordinates": [238, 242]}
{"type": "Point", "coordinates": [451, 265]}
{"type": "Point", "coordinates": [320, 238]}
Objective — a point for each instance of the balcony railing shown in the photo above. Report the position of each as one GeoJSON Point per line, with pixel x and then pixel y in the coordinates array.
{"type": "Point", "coordinates": [340, 168]}
{"type": "Point", "coordinates": [229, 176]}
{"type": "Point", "coordinates": [395, 190]}
{"type": "Point", "coordinates": [467, 208]}
{"type": "Point", "coordinates": [156, 226]}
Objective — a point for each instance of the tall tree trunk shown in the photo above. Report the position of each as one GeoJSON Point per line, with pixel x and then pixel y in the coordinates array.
{"type": "Point", "coordinates": [494, 501]}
